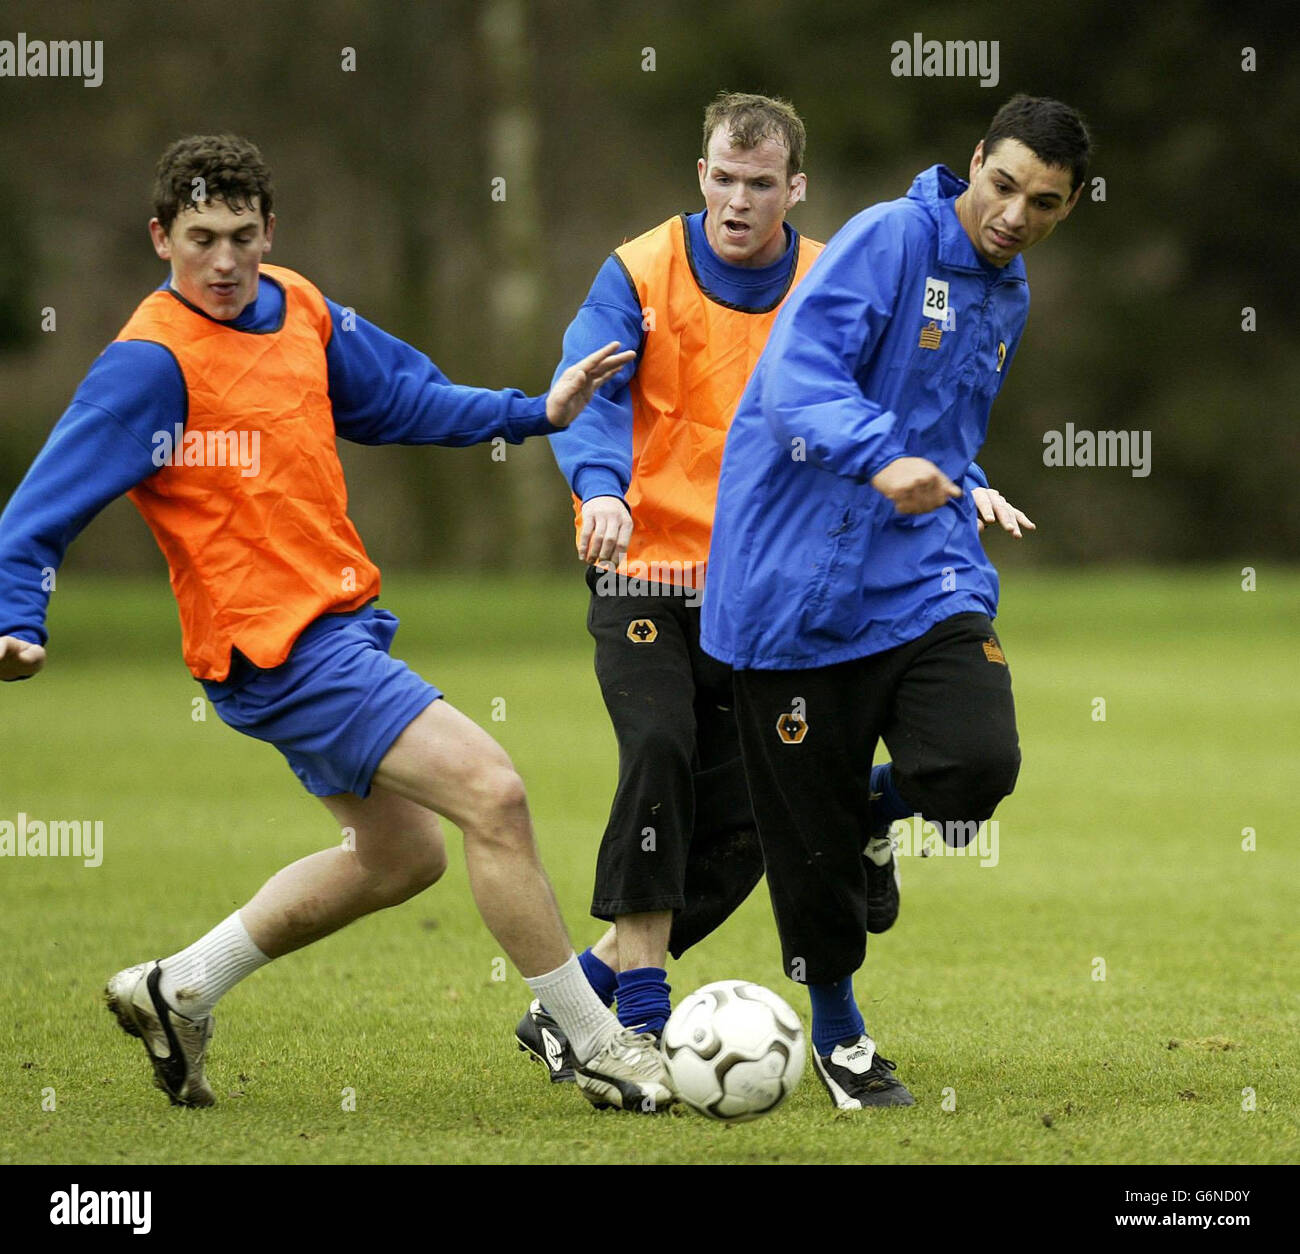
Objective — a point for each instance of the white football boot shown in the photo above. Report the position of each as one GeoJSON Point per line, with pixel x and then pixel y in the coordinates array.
{"type": "Point", "coordinates": [175, 1044]}
{"type": "Point", "coordinates": [628, 1073]}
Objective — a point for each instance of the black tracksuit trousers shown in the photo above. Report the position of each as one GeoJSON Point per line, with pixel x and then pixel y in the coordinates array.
{"type": "Point", "coordinates": [941, 703]}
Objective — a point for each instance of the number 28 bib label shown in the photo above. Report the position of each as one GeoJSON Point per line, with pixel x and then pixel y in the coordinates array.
{"type": "Point", "coordinates": [935, 305]}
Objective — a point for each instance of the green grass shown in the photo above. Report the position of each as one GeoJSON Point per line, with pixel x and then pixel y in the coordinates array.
{"type": "Point", "coordinates": [1122, 842]}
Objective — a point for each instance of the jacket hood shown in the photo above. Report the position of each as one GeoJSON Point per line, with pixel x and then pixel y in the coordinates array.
{"type": "Point", "coordinates": [936, 184]}
{"type": "Point", "coordinates": [936, 189]}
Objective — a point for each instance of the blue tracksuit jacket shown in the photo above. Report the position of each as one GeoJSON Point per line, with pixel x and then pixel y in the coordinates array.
{"type": "Point", "coordinates": [894, 345]}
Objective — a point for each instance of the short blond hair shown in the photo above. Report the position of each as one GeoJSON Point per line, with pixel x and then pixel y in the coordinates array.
{"type": "Point", "coordinates": [750, 119]}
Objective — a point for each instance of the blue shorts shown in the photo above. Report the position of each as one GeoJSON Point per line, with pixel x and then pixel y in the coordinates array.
{"type": "Point", "coordinates": [334, 706]}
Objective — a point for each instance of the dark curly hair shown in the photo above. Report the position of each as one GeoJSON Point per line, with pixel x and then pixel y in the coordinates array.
{"type": "Point", "coordinates": [199, 168]}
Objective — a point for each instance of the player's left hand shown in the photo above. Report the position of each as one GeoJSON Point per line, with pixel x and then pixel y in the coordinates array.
{"type": "Point", "coordinates": [606, 532]}
{"type": "Point", "coordinates": [19, 659]}
{"type": "Point", "coordinates": [574, 389]}
{"type": "Point", "coordinates": [992, 506]}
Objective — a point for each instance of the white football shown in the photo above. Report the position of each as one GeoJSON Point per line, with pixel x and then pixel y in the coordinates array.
{"type": "Point", "coordinates": [734, 1050]}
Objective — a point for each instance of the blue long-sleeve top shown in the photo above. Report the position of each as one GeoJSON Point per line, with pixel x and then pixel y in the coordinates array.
{"type": "Point", "coordinates": [810, 565]}
{"type": "Point", "coordinates": [595, 453]}
{"type": "Point", "coordinates": [382, 391]}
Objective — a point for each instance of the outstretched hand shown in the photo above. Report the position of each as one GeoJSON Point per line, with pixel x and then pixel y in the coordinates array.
{"type": "Point", "coordinates": [574, 389]}
{"type": "Point", "coordinates": [992, 506]}
{"type": "Point", "coordinates": [19, 659]}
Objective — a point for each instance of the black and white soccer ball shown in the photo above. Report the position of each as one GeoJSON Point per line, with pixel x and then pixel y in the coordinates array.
{"type": "Point", "coordinates": [734, 1050]}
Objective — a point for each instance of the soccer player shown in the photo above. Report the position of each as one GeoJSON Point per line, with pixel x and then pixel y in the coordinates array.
{"type": "Point", "coordinates": [216, 410]}
{"type": "Point", "coordinates": [697, 295]}
{"type": "Point", "coordinates": [846, 584]}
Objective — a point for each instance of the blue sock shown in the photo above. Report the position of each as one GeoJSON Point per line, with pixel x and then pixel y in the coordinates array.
{"type": "Point", "coordinates": [601, 978]}
{"type": "Point", "coordinates": [835, 1015]}
{"type": "Point", "coordinates": [887, 803]}
{"type": "Point", "coordinates": [643, 998]}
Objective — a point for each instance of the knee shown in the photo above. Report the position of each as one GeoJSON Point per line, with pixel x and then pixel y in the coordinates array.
{"type": "Point", "coordinates": [495, 801]}
{"type": "Point", "coordinates": [995, 776]}
{"type": "Point", "coordinates": [426, 868]}
{"type": "Point", "coordinates": [970, 789]}
{"type": "Point", "coordinates": [418, 869]}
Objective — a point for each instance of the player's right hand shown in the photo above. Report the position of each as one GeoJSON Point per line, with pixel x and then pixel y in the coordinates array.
{"type": "Point", "coordinates": [19, 658]}
{"type": "Point", "coordinates": [915, 485]}
{"type": "Point", "coordinates": [574, 389]}
{"type": "Point", "coordinates": [606, 532]}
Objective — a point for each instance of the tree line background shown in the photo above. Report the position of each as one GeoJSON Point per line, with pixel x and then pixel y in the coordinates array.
{"type": "Point", "coordinates": [384, 179]}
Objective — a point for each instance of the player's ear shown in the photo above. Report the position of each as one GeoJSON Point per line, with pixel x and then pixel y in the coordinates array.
{"type": "Point", "coordinates": [161, 244]}
{"type": "Point", "coordinates": [1069, 204]}
{"type": "Point", "coordinates": [701, 167]}
{"type": "Point", "coordinates": [798, 190]}
{"type": "Point", "coordinates": [270, 230]}
{"type": "Point", "coordinates": [977, 160]}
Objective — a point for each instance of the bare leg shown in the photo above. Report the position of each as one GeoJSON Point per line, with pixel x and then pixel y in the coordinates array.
{"type": "Point", "coordinates": [443, 763]}
{"type": "Point", "coordinates": [643, 939]}
{"type": "Point", "coordinates": [447, 763]}
{"type": "Point", "coordinates": [399, 851]}
{"type": "Point", "coordinates": [606, 949]}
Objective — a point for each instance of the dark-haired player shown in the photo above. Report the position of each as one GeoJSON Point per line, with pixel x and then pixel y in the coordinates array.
{"type": "Point", "coordinates": [846, 584]}
{"type": "Point", "coordinates": [697, 295]}
{"type": "Point", "coordinates": [216, 410]}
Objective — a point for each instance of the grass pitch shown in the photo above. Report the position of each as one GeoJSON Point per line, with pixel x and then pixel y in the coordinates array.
{"type": "Point", "coordinates": [1120, 854]}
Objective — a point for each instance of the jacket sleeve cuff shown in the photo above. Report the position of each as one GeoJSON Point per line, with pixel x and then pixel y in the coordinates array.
{"type": "Point", "coordinates": [880, 458]}
{"type": "Point", "coordinates": [28, 634]}
{"type": "Point", "coordinates": [597, 481]}
{"type": "Point", "coordinates": [531, 420]}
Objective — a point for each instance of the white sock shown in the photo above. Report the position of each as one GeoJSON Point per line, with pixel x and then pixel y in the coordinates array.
{"type": "Point", "coordinates": [194, 979]}
{"type": "Point", "coordinates": [573, 1003]}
